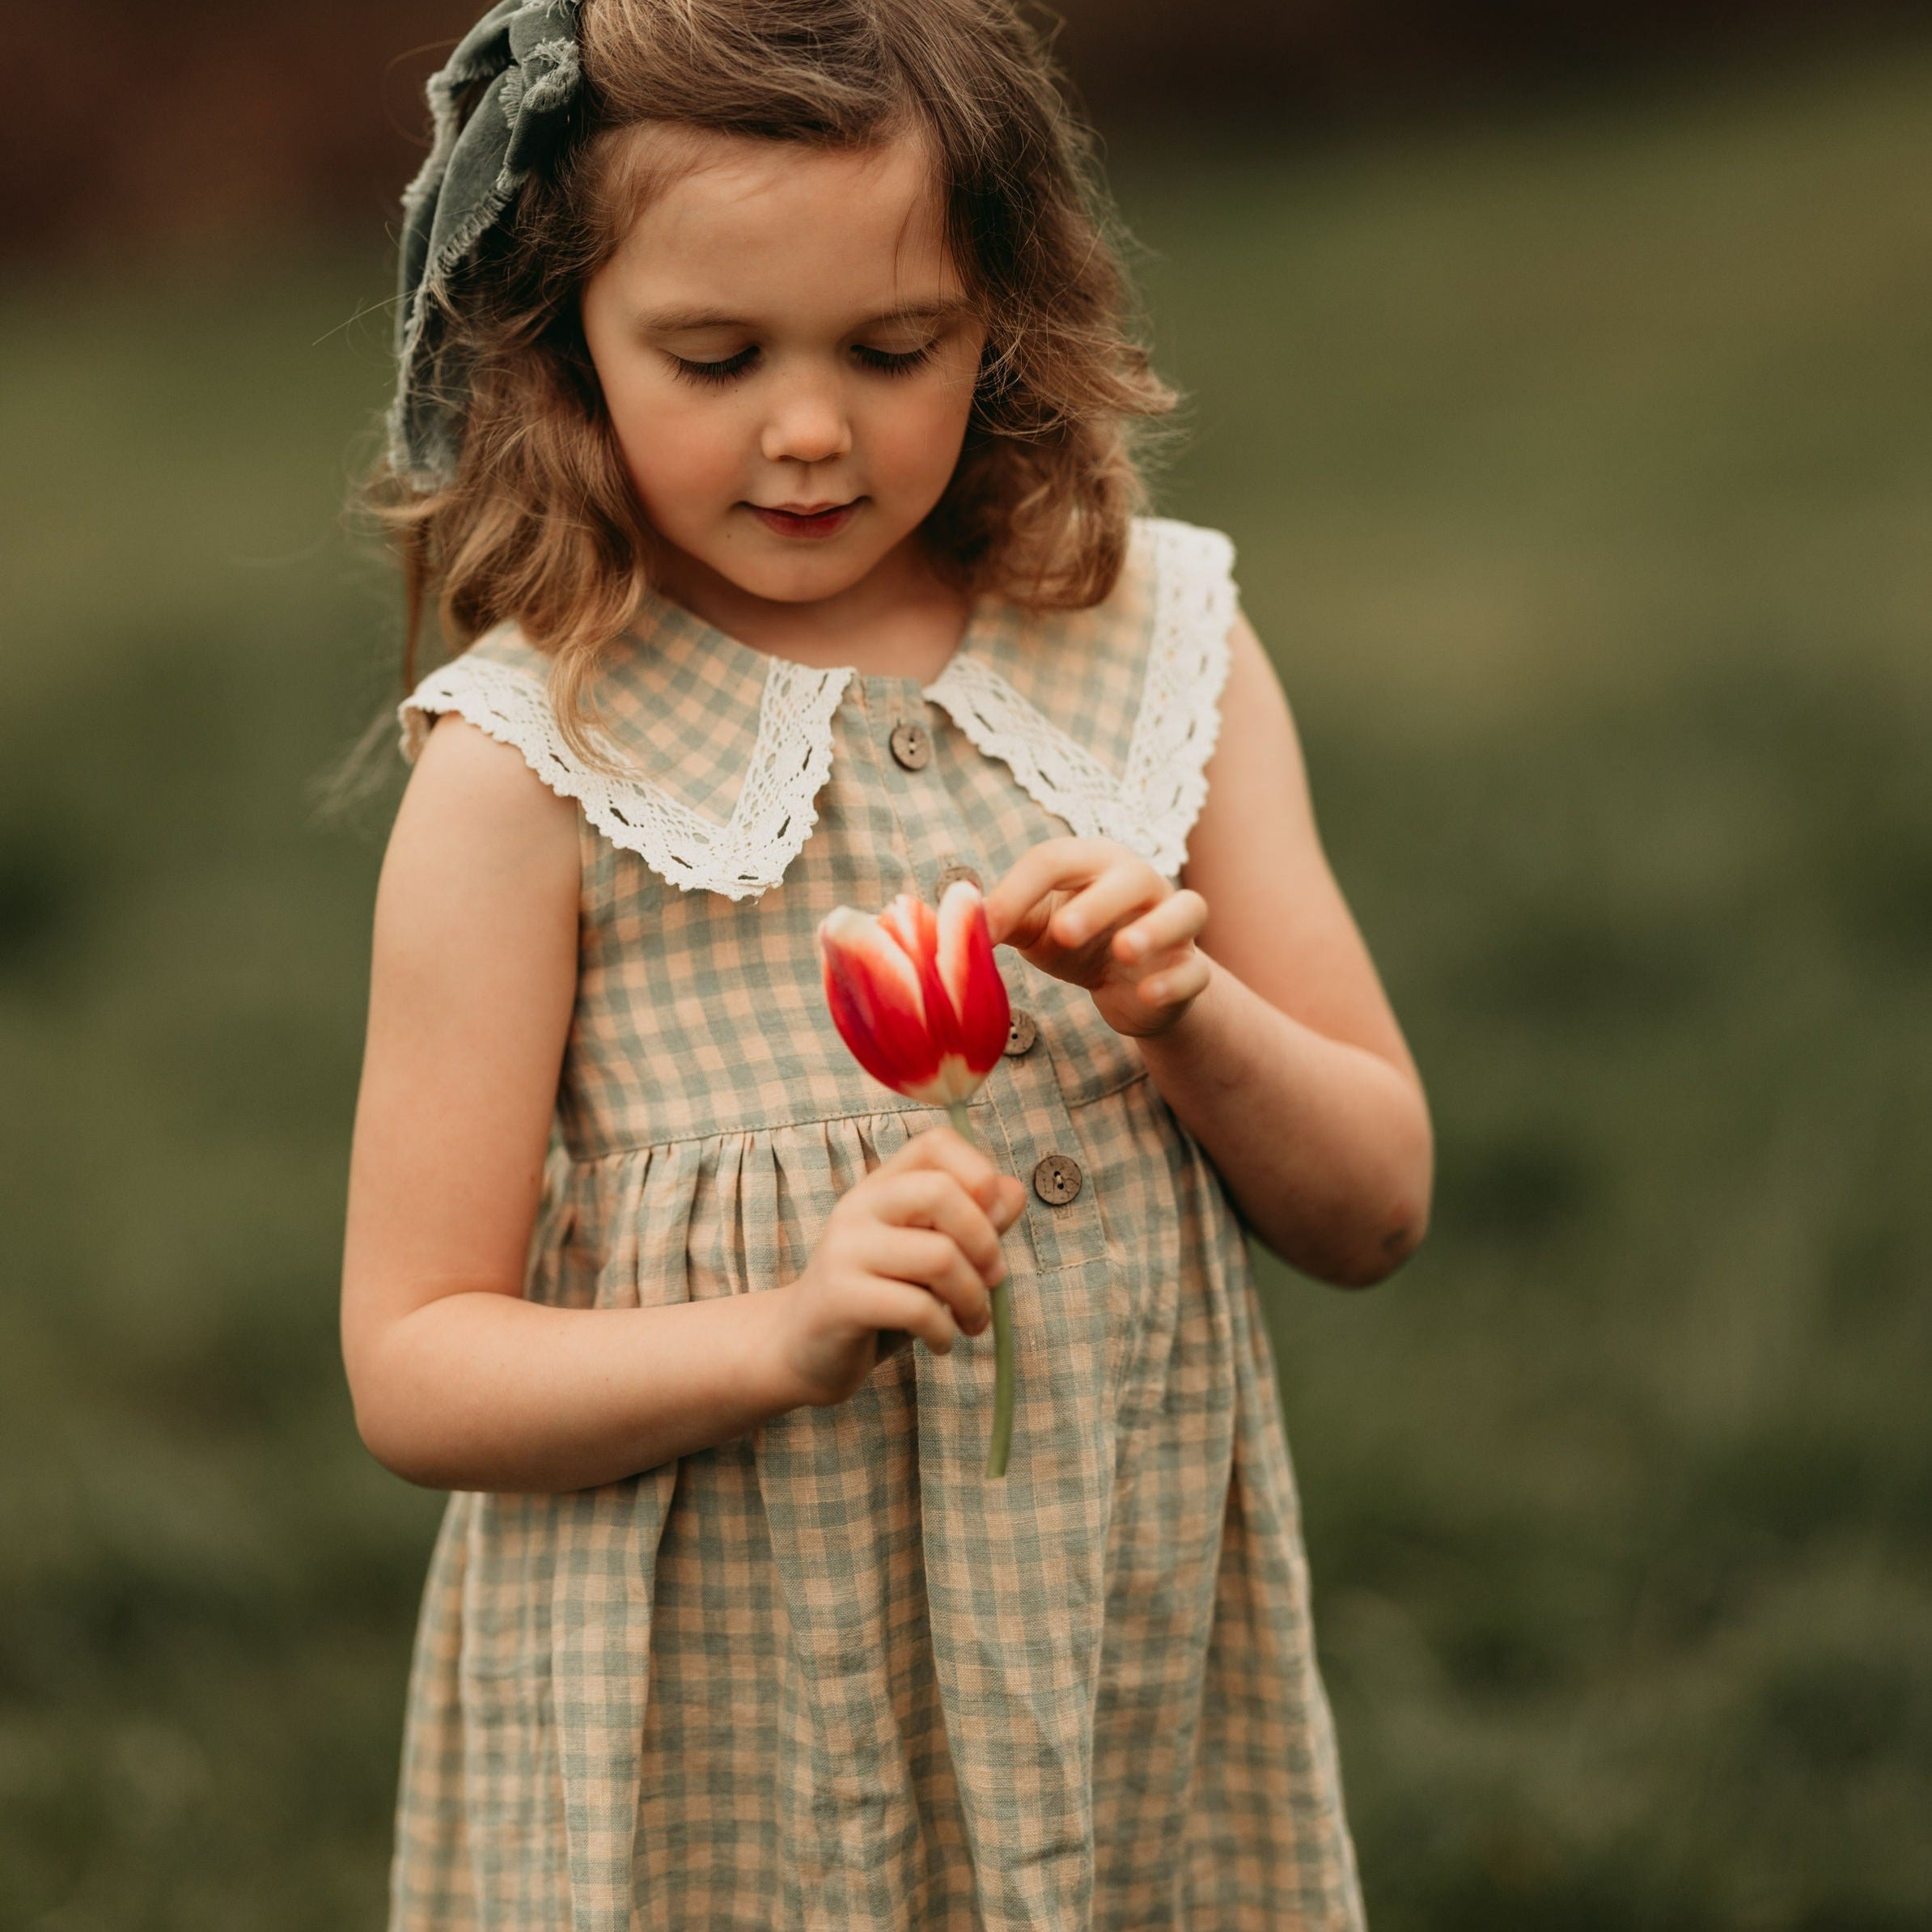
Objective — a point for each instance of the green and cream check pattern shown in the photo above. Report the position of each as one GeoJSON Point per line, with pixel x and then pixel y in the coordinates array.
{"type": "Point", "coordinates": [827, 1678]}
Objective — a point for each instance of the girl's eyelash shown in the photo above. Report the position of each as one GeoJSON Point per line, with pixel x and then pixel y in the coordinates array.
{"type": "Point", "coordinates": [882, 361]}
{"type": "Point", "coordinates": [714, 372]}
{"type": "Point", "coordinates": [887, 361]}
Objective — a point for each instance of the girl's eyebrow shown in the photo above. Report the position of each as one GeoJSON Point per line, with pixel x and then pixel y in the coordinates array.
{"type": "Point", "coordinates": [678, 321]}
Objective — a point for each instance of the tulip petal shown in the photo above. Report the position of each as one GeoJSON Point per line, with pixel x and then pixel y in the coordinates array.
{"type": "Point", "coordinates": [913, 923]}
{"type": "Point", "coordinates": [874, 990]}
{"type": "Point", "coordinates": [967, 970]}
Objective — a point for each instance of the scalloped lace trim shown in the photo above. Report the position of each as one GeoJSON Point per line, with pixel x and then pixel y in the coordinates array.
{"type": "Point", "coordinates": [1151, 806]}
{"type": "Point", "coordinates": [741, 858]}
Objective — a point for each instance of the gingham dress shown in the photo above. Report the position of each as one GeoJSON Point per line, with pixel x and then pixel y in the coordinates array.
{"type": "Point", "coordinates": [827, 1675]}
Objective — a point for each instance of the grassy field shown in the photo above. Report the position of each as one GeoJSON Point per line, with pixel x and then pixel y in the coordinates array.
{"type": "Point", "coordinates": [1581, 470]}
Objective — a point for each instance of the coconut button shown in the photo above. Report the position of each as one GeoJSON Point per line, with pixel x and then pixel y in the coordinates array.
{"type": "Point", "coordinates": [1056, 1180]}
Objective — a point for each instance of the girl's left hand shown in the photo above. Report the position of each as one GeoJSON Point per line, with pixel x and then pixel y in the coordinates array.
{"type": "Point", "coordinates": [1090, 912]}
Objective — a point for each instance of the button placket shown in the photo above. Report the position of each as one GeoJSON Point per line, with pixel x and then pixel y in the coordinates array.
{"type": "Point", "coordinates": [1030, 1119]}
{"type": "Point", "coordinates": [1063, 1213]}
{"type": "Point", "coordinates": [899, 739]}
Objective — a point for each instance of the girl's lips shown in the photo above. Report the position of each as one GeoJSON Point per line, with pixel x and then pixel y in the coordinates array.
{"type": "Point", "coordinates": [817, 523]}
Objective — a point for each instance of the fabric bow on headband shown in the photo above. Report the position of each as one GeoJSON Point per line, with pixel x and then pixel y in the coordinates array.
{"type": "Point", "coordinates": [501, 106]}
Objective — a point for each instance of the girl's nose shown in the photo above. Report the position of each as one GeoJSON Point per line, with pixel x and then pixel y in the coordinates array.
{"type": "Point", "coordinates": [809, 426]}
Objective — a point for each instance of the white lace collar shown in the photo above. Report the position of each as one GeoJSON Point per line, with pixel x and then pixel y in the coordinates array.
{"type": "Point", "coordinates": [1048, 708]}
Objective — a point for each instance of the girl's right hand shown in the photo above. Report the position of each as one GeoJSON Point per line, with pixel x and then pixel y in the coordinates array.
{"type": "Point", "coordinates": [914, 1248]}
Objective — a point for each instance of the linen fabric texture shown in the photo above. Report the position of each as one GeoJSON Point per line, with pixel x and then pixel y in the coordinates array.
{"type": "Point", "coordinates": [501, 108]}
{"type": "Point", "coordinates": [827, 1678]}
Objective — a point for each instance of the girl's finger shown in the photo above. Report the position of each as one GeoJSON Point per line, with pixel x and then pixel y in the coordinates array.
{"type": "Point", "coordinates": [1055, 864]}
{"type": "Point", "coordinates": [888, 1305]}
{"type": "Point", "coordinates": [999, 1195]}
{"type": "Point", "coordinates": [1175, 985]}
{"type": "Point", "coordinates": [935, 1200]}
{"type": "Point", "coordinates": [942, 1150]}
{"type": "Point", "coordinates": [1122, 891]}
{"type": "Point", "coordinates": [1142, 971]}
{"type": "Point", "coordinates": [1178, 919]}
{"type": "Point", "coordinates": [1025, 926]}
{"type": "Point", "coordinates": [922, 1259]}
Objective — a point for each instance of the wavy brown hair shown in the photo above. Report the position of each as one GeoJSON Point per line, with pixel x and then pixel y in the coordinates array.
{"type": "Point", "coordinates": [539, 523]}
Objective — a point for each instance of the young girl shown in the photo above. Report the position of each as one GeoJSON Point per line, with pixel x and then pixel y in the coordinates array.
{"type": "Point", "coordinates": [763, 434]}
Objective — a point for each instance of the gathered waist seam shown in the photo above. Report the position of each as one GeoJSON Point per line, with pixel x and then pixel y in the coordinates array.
{"type": "Point", "coordinates": [585, 1158]}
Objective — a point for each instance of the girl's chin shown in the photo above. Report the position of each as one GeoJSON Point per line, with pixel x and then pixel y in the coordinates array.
{"type": "Point", "coordinates": [795, 573]}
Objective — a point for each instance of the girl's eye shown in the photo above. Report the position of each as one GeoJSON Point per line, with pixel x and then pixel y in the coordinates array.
{"type": "Point", "coordinates": [889, 362]}
{"type": "Point", "coordinates": [723, 371]}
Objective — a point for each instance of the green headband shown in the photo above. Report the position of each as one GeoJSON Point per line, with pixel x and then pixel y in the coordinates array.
{"type": "Point", "coordinates": [501, 107]}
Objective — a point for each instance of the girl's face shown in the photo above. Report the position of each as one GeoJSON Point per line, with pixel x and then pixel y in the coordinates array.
{"type": "Point", "coordinates": [787, 358]}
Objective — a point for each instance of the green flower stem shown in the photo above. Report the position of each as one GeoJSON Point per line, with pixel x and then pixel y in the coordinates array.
{"type": "Point", "coordinates": [1002, 1337]}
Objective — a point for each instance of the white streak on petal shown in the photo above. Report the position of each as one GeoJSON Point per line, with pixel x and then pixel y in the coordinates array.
{"type": "Point", "coordinates": [957, 908]}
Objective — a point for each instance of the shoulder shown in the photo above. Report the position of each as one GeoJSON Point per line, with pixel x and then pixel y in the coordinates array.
{"type": "Point", "coordinates": [1257, 831]}
{"type": "Point", "coordinates": [481, 878]}
{"type": "Point", "coordinates": [475, 803]}
{"type": "Point", "coordinates": [499, 684]}
{"type": "Point", "coordinates": [460, 767]}
{"type": "Point", "coordinates": [475, 820]}
{"type": "Point", "coordinates": [466, 730]}
{"type": "Point", "coordinates": [484, 741]}
{"type": "Point", "coordinates": [1258, 733]}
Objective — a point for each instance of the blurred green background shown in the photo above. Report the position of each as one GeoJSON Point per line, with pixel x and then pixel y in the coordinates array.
{"type": "Point", "coordinates": [1579, 448]}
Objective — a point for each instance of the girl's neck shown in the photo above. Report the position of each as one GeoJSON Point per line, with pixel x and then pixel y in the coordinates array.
{"type": "Point", "coordinates": [900, 620]}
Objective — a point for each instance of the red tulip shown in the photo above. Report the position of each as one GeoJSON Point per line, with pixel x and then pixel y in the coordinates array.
{"type": "Point", "coordinates": [916, 995]}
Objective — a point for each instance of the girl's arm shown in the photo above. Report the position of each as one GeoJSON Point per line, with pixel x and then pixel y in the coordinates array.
{"type": "Point", "coordinates": [1272, 1040]}
{"type": "Point", "coordinates": [458, 1382]}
